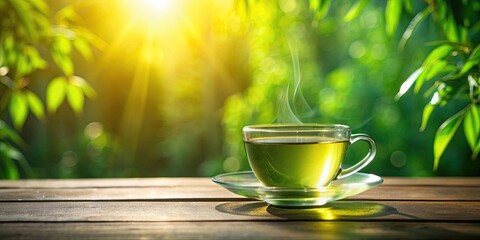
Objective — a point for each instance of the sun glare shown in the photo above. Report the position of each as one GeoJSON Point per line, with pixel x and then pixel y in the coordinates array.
{"type": "Point", "coordinates": [157, 4]}
{"type": "Point", "coordinates": [152, 10]}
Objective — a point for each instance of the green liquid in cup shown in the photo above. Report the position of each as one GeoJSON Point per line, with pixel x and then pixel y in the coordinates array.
{"type": "Point", "coordinates": [296, 162]}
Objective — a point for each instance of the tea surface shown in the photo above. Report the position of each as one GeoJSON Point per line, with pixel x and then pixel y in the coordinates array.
{"type": "Point", "coordinates": [298, 162]}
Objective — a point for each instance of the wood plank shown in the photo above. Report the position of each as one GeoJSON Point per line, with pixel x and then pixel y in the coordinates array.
{"type": "Point", "coordinates": [213, 192]}
{"type": "Point", "coordinates": [428, 193]}
{"type": "Point", "coordinates": [235, 211]}
{"type": "Point", "coordinates": [101, 194]}
{"type": "Point", "coordinates": [432, 181]}
{"type": "Point", "coordinates": [105, 183]}
{"type": "Point", "coordinates": [206, 181]}
{"type": "Point", "coordinates": [242, 230]}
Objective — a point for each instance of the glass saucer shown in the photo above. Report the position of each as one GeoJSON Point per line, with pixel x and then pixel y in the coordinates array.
{"type": "Point", "coordinates": [246, 184]}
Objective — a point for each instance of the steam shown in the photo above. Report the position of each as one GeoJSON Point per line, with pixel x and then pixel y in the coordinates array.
{"type": "Point", "coordinates": [289, 113]}
{"type": "Point", "coordinates": [294, 108]}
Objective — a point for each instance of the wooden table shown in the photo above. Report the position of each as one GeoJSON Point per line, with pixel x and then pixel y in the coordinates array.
{"type": "Point", "coordinates": [196, 208]}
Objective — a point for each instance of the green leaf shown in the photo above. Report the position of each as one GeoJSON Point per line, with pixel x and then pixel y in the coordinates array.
{"type": "Point", "coordinates": [438, 54]}
{"type": "Point", "coordinates": [8, 168]}
{"type": "Point", "coordinates": [322, 10]}
{"type": "Point", "coordinates": [81, 83]}
{"type": "Point", "coordinates": [36, 61]}
{"type": "Point", "coordinates": [476, 151]}
{"type": "Point", "coordinates": [18, 109]}
{"type": "Point", "coordinates": [475, 53]}
{"type": "Point", "coordinates": [75, 98]}
{"type": "Point", "coordinates": [91, 38]}
{"type": "Point", "coordinates": [40, 6]}
{"type": "Point", "coordinates": [467, 66]}
{"type": "Point", "coordinates": [9, 42]}
{"type": "Point", "coordinates": [473, 60]}
{"type": "Point", "coordinates": [83, 47]}
{"type": "Point", "coordinates": [67, 14]}
{"type": "Point", "coordinates": [63, 62]}
{"type": "Point", "coordinates": [26, 22]}
{"type": "Point", "coordinates": [409, 6]}
{"type": "Point", "coordinates": [10, 154]}
{"type": "Point", "coordinates": [412, 25]}
{"type": "Point", "coordinates": [315, 4]}
{"type": "Point", "coordinates": [472, 85]}
{"type": "Point", "coordinates": [420, 80]}
{"type": "Point", "coordinates": [444, 134]}
{"type": "Point", "coordinates": [433, 70]}
{"type": "Point", "coordinates": [438, 68]}
{"type": "Point", "coordinates": [62, 45]}
{"type": "Point", "coordinates": [471, 127]}
{"type": "Point", "coordinates": [355, 10]}
{"type": "Point", "coordinates": [61, 54]}
{"type": "Point", "coordinates": [56, 90]}
{"type": "Point", "coordinates": [23, 67]}
{"type": "Point", "coordinates": [450, 29]}
{"type": "Point", "coordinates": [427, 111]}
{"type": "Point", "coordinates": [36, 105]}
{"type": "Point", "coordinates": [7, 133]}
{"type": "Point", "coordinates": [409, 82]}
{"type": "Point", "coordinates": [441, 9]}
{"type": "Point", "coordinates": [392, 15]}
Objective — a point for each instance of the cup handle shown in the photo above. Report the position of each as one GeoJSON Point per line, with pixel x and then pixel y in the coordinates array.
{"type": "Point", "coordinates": [365, 161]}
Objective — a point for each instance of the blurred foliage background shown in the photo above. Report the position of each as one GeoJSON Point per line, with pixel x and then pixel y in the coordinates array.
{"type": "Point", "coordinates": [154, 88]}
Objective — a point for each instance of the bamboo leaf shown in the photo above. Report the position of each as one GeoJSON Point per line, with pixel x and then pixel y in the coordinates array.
{"type": "Point", "coordinates": [450, 29]}
{"type": "Point", "coordinates": [408, 83]}
{"type": "Point", "coordinates": [438, 54]}
{"type": "Point", "coordinates": [473, 60]}
{"type": "Point", "coordinates": [439, 68]}
{"type": "Point", "coordinates": [413, 24]}
{"type": "Point", "coordinates": [392, 15]}
{"type": "Point", "coordinates": [56, 93]}
{"type": "Point", "coordinates": [475, 53]}
{"type": "Point", "coordinates": [75, 98]}
{"type": "Point", "coordinates": [322, 10]}
{"type": "Point", "coordinates": [476, 151]}
{"type": "Point", "coordinates": [36, 105]}
{"type": "Point", "coordinates": [427, 111]}
{"type": "Point", "coordinates": [432, 71]}
{"type": "Point", "coordinates": [471, 127]}
{"type": "Point", "coordinates": [409, 6]}
{"type": "Point", "coordinates": [467, 66]}
{"type": "Point", "coordinates": [472, 85]}
{"type": "Point", "coordinates": [315, 4]}
{"type": "Point", "coordinates": [355, 10]}
{"type": "Point", "coordinates": [444, 134]}
{"type": "Point", "coordinates": [421, 79]}
{"type": "Point", "coordinates": [18, 109]}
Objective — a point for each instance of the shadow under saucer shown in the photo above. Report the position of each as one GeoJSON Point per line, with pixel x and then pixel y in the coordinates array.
{"type": "Point", "coordinates": [339, 210]}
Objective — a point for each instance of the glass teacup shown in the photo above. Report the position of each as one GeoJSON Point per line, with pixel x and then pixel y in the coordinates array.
{"type": "Point", "coordinates": [302, 155]}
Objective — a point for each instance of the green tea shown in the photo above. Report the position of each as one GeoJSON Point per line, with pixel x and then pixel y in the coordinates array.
{"type": "Point", "coordinates": [297, 162]}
